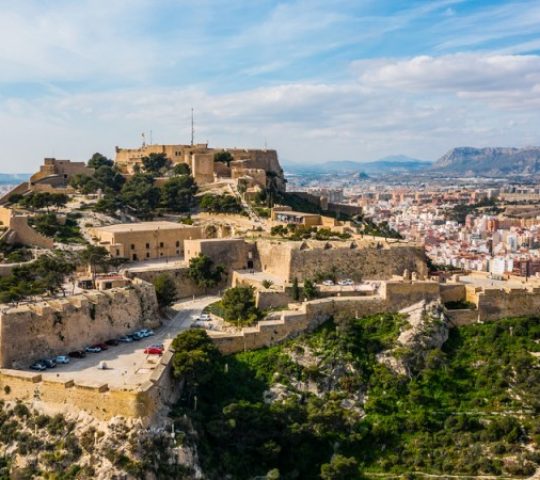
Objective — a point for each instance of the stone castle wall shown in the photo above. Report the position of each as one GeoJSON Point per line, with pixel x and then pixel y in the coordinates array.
{"type": "Point", "coordinates": [201, 160]}
{"type": "Point", "coordinates": [494, 304]}
{"type": "Point", "coordinates": [304, 260]}
{"type": "Point", "coordinates": [185, 288]}
{"type": "Point", "coordinates": [33, 331]}
{"type": "Point", "coordinates": [18, 230]}
{"type": "Point", "coordinates": [98, 399]}
{"type": "Point", "coordinates": [452, 292]}
{"type": "Point", "coordinates": [395, 296]}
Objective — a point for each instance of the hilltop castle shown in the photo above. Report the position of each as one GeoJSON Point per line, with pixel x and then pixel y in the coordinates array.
{"type": "Point", "coordinates": [254, 164]}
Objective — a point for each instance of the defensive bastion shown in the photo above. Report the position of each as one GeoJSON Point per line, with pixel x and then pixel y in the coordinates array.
{"type": "Point", "coordinates": [40, 330]}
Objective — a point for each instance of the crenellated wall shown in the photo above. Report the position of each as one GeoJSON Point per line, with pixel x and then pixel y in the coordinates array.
{"type": "Point", "coordinates": [37, 330]}
{"type": "Point", "coordinates": [393, 297]}
{"type": "Point", "coordinates": [494, 303]}
{"type": "Point", "coordinates": [305, 260]}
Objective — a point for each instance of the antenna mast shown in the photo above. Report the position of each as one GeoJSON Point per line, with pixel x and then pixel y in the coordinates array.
{"type": "Point", "coordinates": [192, 128]}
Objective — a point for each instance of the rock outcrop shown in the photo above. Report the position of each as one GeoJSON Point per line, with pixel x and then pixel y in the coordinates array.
{"type": "Point", "coordinates": [491, 161]}
{"type": "Point", "coordinates": [426, 329]}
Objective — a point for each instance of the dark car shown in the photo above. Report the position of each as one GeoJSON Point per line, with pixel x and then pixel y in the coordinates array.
{"type": "Point", "coordinates": [112, 342]}
{"type": "Point", "coordinates": [48, 363]}
{"type": "Point", "coordinates": [77, 354]}
{"type": "Point", "coordinates": [39, 366]}
{"type": "Point", "coordinates": [135, 337]}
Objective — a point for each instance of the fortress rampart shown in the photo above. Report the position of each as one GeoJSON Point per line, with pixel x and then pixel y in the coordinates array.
{"type": "Point", "coordinates": [305, 260]}
{"type": "Point", "coordinates": [200, 158]}
{"type": "Point", "coordinates": [394, 296]}
{"type": "Point", "coordinates": [97, 399]}
{"type": "Point", "coordinates": [37, 330]}
{"type": "Point", "coordinates": [18, 230]}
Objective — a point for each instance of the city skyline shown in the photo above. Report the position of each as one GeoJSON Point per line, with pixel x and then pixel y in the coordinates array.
{"type": "Point", "coordinates": [318, 81]}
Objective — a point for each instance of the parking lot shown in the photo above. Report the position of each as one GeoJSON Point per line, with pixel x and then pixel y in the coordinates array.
{"type": "Point", "coordinates": [127, 364]}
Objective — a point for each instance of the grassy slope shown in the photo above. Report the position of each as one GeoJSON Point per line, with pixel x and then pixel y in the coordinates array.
{"type": "Point", "coordinates": [471, 409]}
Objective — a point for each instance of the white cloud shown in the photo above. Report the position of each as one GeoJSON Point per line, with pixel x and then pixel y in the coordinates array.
{"type": "Point", "coordinates": [381, 113]}
{"type": "Point", "coordinates": [109, 70]}
{"type": "Point", "coordinates": [511, 81]}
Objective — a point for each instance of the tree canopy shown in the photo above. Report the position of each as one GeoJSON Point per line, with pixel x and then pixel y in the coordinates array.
{"type": "Point", "coordinates": [202, 272]}
{"type": "Point", "coordinates": [220, 203]}
{"type": "Point", "coordinates": [177, 193]}
{"type": "Point", "coordinates": [40, 200]}
{"type": "Point", "coordinates": [165, 290]}
{"type": "Point", "coordinates": [98, 160]}
{"type": "Point", "coordinates": [223, 157]}
{"type": "Point", "coordinates": [238, 306]}
{"type": "Point", "coordinates": [45, 274]}
{"type": "Point", "coordinates": [139, 195]}
{"type": "Point", "coordinates": [105, 178]}
{"type": "Point", "coordinates": [154, 163]}
{"type": "Point", "coordinates": [195, 359]}
{"type": "Point", "coordinates": [182, 169]}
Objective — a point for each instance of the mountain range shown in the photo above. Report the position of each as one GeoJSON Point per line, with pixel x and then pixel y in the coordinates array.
{"type": "Point", "coordinates": [490, 161]}
{"type": "Point", "coordinates": [462, 161]}
{"type": "Point", "coordinates": [13, 178]}
{"type": "Point", "coordinates": [391, 164]}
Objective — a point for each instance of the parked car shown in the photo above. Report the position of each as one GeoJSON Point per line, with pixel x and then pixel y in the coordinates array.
{"type": "Point", "coordinates": [112, 342]}
{"type": "Point", "coordinates": [77, 354]}
{"type": "Point", "coordinates": [153, 351]}
{"type": "Point", "coordinates": [345, 283]}
{"type": "Point", "coordinates": [125, 339]}
{"type": "Point", "coordinates": [93, 349]}
{"type": "Point", "coordinates": [136, 336]}
{"type": "Point", "coordinates": [205, 317]}
{"type": "Point", "coordinates": [38, 366]}
{"type": "Point", "coordinates": [146, 332]}
{"type": "Point", "coordinates": [156, 345]}
{"type": "Point", "coordinates": [102, 346]}
{"type": "Point", "coordinates": [328, 283]}
{"type": "Point", "coordinates": [48, 362]}
{"type": "Point", "coordinates": [62, 359]}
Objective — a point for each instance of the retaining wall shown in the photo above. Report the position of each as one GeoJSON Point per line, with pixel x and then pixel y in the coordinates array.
{"type": "Point", "coordinates": [32, 331]}
{"type": "Point", "coordinates": [185, 288]}
{"type": "Point", "coordinates": [452, 292]}
{"type": "Point", "coordinates": [97, 399]}
{"type": "Point", "coordinates": [395, 296]}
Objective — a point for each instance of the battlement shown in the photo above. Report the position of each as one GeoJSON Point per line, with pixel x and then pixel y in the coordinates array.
{"type": "Point", "coordinates": [393, 296]}
{"type": "Point", "coordinates": [39, 330]}
{"type": "Point", "coordinates": [255, 163]}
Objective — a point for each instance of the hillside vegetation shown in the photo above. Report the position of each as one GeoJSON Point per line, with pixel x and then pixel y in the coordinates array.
{"type": "Point", "coordinates": [326, 406]}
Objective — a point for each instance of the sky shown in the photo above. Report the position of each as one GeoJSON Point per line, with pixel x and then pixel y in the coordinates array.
{"type": "Point", "coordinates": [318, 80]}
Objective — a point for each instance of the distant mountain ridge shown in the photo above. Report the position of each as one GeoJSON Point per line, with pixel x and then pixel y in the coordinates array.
{"type": "Point", "coordinates": [490, 161]}
{"type": "Point", "coordinates": [13, 178]}
{"type": "Point", "coordinates": [390, 164]}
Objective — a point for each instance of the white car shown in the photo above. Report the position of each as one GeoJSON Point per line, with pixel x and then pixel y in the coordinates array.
{"type": "Point", "coordinates": [204, 317]}
{"type": "Point", "coordinates": [328, 283]}
{"type": "Point", "coordinates": [145, 332]}
{"type": "Point", "coordinates": [346, 283]}
{"type": "Point", "coordinates": [62, 359]}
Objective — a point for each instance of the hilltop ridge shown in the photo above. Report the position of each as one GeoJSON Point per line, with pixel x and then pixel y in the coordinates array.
{"type": "Point", "coordinates": [490, 161]}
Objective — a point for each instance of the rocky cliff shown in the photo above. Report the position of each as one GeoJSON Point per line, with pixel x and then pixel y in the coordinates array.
{"type": "Point", "coordinates": [491, 161]}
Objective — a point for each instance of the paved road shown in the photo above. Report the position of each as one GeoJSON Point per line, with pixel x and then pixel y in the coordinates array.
{"type": "Point", "coordinates": [127, 364]}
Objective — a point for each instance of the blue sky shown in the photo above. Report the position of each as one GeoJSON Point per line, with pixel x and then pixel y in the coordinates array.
{"type": "Point", "coordinates": [317, 80]}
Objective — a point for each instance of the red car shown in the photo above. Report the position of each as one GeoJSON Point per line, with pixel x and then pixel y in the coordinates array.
{"type": "Point", "coordinates": [153, 351]}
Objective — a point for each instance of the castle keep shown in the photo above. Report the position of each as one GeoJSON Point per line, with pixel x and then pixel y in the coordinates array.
{"type": "Point", "coordinates": [254, 164]}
